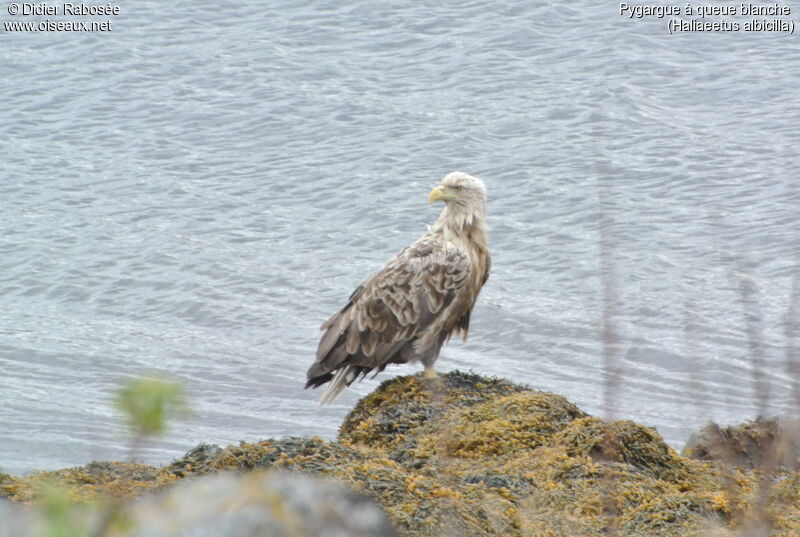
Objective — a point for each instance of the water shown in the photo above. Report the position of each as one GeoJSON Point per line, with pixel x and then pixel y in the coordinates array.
{"type": "Point", "coordinates": [197, 190]}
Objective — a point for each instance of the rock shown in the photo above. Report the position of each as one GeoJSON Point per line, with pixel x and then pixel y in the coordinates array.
{"type": "Point", "coordinates": [403, 404]}
{"type": "Point", "coordinates": [622, 442]}
{"type": "Point", "coordinates": [268, 504]}
{"type": "Point", "coordinates": [15, 521]}
{"type": "Point", "coordinates": [473, 456]}
{"type": "Point", "coordinates": [468, 456]}
{"type": "Point", "coordinates": [119, 480]}
{"type": "Point", "coordinates": [764, 443]}
{"type": "Point", "coordinates": [195, 460]}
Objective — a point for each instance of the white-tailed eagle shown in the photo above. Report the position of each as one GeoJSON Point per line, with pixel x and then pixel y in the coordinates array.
{"type": "Point", "coordinates": [417, 301]}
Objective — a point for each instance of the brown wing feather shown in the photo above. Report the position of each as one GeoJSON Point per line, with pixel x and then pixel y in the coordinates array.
{"type": "Point", "coordinates": [385, 313]}
{"type": "Point", "coordinates": [462, 325]}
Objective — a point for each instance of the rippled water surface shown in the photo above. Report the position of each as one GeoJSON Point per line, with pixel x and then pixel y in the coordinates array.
{"type": "Point", "coordinates": [197, 190]}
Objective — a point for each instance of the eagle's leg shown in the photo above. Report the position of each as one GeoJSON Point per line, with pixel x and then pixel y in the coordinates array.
{"type": "Point", "coordinates": [431, 379]}
{"type": "Point", "coordinates": [429, 356]}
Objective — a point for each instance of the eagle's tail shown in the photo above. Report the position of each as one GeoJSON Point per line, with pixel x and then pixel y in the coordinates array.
{"type": "Point", "coordinates": [343, 378]}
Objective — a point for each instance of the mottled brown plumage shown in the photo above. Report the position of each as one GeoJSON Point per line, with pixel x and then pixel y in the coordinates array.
{"type": "Point", "coordinates": [417, 301]}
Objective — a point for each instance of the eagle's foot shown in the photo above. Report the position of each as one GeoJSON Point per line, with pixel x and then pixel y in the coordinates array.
{"type": "Point", "coordinates": [430, 374]}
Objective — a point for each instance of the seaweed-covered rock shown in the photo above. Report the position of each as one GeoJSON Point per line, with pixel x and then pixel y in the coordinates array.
{"type": "Point", "coordinates": [311, 455]}
{"type": "Point", "coordinates": [401, 405]}
{"type": "Point", "coordinates": [623, 442]}
{"type": "Point", "coordinates": [471, 456]}
{"type": "Point", "coordinates": [8, 484]}
{"type": "Point", "coordinates": [762, 443]}
{"type": "Point", "coordinates": [119, 480]}
{"type": "Point", "coordinates": [196, 460]}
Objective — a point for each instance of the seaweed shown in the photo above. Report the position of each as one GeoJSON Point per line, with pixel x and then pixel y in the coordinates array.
{"type": "Point", "coordinates": [473, 456]}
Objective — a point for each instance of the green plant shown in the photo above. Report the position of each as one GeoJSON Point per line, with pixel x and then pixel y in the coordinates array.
{"type": "Point", "coordinates": [148, 402]}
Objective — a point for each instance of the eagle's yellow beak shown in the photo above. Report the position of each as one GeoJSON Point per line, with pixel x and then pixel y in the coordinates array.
{"type": "Point", "coordinates": [441, 193]}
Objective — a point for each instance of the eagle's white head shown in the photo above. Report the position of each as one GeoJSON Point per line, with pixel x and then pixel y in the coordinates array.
{"type": "Point", "coordinates": [465, 200]}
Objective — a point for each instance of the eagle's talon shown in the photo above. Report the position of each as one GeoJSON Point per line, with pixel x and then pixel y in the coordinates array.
{"type": "Point", "coordinates": [430, 374]}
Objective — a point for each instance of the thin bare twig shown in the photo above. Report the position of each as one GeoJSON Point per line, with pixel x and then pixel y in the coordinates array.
{"type": "Point", "coordinates": [609, 330]}
{"type": "Point", "coordinates": [690, 336]}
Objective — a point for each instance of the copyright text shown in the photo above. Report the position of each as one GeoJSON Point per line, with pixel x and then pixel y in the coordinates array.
{"type": "Point", "coordinates": [65, 9]}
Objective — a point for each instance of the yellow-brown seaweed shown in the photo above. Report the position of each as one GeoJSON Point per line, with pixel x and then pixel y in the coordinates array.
{"type": "Point", "coordinates": [473, 456]}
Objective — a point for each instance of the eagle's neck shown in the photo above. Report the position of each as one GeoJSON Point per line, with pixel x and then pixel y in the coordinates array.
{"type": "Point", "coordinates": [465, 227]}
{"type": "Point", "coordinates": [466, 231]}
